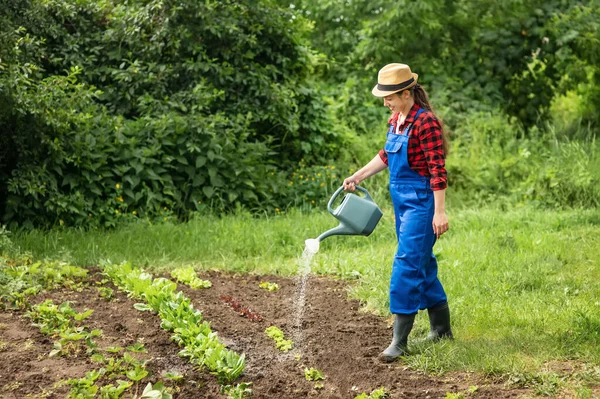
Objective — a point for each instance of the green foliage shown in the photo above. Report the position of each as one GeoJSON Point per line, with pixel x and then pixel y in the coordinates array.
{"type": "Point", "coordinates": [277, 335]}
{"type": "Point", "coordinates": [376, 394]}
{"type": "Point", "coordinates": [313, 374]}
{"type": "Point", "coordinates": [156, 391]}
{"type": "Point", "coordinates": [63, 321]}
{"type": "Point", "coordinates": [21, 279]}
{"type": "Point", "coordinates": [172, 114]}
{"type": "Point", "coordinates": [178, 315]}
{"type": "Point", "coordinates": [239, 391]}
{"type": "Point", "coordinates": [117, 110]}
{"type": "Point", "coordinates": [188, 276]}
{"type": "Point", "coordinates": [492, 161]}
{"type": "Point", "coordinates": [269, 286]}
{"type": "Point", "coordinates": [469, 54]}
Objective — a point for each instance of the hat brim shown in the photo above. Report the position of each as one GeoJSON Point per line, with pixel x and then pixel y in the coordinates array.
{"type": "Point", "coordinates": [382, 93]}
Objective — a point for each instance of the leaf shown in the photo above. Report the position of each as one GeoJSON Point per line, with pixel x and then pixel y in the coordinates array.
{"type": "Point", "coordinates": [208, 191]}
{"type": "Point", "coordinates": [137, 374]}
{"type": "Point", "coordinates": [142, 307]}
{"type": "Point", "coordinates": [200, 161]}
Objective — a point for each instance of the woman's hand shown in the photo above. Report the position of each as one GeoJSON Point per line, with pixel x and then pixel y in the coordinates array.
{"type": "Point", "coordinates": [440, 223]}
{"type": "Point", "coordinates": [350, 183]}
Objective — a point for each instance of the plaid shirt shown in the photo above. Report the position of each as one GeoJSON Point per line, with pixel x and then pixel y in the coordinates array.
{"type": "Point", "coordinates": [425, 150]}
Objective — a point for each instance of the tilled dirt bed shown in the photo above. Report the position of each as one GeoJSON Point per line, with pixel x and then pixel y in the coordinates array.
{"type": "Point", "coordinates": [336, 338]}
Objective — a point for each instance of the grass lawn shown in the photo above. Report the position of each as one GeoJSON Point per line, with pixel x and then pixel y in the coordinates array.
{"type": "Point", "coordinates": [523, 285]}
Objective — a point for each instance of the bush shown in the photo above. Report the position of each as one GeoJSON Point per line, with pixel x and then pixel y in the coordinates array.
{"type": "Point", "coordinates": [153, 108]}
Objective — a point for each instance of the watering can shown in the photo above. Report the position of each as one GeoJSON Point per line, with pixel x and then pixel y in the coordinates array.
{"type": "Point", "coordinates": [357, 215]}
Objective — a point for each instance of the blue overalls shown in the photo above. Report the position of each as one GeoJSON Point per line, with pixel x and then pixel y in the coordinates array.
{"type": "Point", "coordinates": [414, 283]}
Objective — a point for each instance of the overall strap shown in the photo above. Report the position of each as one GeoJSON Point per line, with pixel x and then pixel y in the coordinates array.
{"type": "Point", "coordinates": [409, 127]}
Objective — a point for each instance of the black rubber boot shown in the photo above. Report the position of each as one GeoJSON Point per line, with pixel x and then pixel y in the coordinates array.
{"type": "Point", "coordinates": [403, 323]}
{"type": "Point", "coordinates": [439, 322]}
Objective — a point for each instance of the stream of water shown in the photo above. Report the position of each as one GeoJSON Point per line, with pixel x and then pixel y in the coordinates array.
{"type": "Point", "coordinates": [311, 248]}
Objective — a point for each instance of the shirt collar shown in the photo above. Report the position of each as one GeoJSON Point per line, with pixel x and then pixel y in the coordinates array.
{"type": "Point", "coordinates": [410, 118]}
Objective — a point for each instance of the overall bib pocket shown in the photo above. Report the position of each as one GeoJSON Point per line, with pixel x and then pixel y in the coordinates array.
{"type": "Point", "coordinates": [392, 146]}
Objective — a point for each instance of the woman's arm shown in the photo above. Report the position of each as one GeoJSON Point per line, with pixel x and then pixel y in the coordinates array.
{"type": "Point", "coordinates": [440, 220]}
{"type": "Point", "coordinates": [375, 166]}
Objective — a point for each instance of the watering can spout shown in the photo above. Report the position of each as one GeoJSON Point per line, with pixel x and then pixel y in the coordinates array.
{"type": "Point", "coordinates": [357, 215]}
{"type": "Point", "coordinates": [340, 230]}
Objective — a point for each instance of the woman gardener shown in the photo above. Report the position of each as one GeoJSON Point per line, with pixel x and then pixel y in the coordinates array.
{"type": "Point", "coordinates": [414, 152]}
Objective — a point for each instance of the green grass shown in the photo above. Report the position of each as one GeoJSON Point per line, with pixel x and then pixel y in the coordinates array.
{"type": "Point", "coordinates": [523, 285]}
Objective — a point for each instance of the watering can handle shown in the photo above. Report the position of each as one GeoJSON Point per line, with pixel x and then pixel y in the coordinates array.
{"type": "Point", "coordinates": [339, 190]}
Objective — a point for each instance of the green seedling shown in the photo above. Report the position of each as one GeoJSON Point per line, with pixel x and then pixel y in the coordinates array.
{"type": "Point", "coordinates": [319, 386]}
{"type": "Point", "coordinates": [376, 394]}
{"type": "Point", "coordinates": [82, 316]}
{"type": "Point", "coordinates": [85, 388]}
{"type": "Point", "coordinates": [113, 349]}
{"type": "Point", "coordinates": [142, 307]}
{"type": "Point", "coordinates": [173, 375]}
{"type": "Point", "coordinates": [187, 275]}
{"type": "Point", "coordinates": [313, 374]}
{"type": "Point", "coordinates": [106, 293]}
{"type": "Point", "coordinates": [138, 347]}
{"type": "Point", "coordinates": [158, 391]}
{"type": "Point", "coordinates": [11, 386]}
{"type": "Point", "coordinates": [98, 358]}
{"type": "Point", "coordinates": [240, 391]}
{"type": "Point", "coordinates": [138, 373]}
{"type": "Point", "coordinates": [110, 391]}
{"type": "Point", "coordinates": [281, 343]}
{"type": "Point", "coordinates": [268, 286]}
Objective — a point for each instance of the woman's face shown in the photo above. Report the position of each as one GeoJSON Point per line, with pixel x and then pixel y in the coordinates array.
{"type": "Point", "coordinates": [396, 102]}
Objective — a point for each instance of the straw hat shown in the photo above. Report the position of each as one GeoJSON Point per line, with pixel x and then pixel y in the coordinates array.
{"type": "Point", "coordinates": [393, 78]}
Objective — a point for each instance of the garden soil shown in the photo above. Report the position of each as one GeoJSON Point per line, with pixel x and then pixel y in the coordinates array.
{"type": "Point", "coordinates": [339, 339]}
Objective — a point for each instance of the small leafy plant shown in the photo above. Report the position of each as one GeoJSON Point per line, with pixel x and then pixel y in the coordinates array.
{"type": "Point", "coordinates": [241, 309]}
{"type": "Point", "coordinates": [240, 391]}
{"type": "Point", "coordinates": [158, 391]}
{"type": "Point", "coordinates": [187, 275]}
{"type": "Point", "coordinates": [281, 343]}
{"type": "Point", "coordinates": [376, 394]}
{"type": "Point", "coordinates": [269, 286]}
{"type": "Point", "coordinates": [173, 375]}
{"type": "Point", "coordinates": [313, 374]}
{"type": "Point", "coordinates": [106, 293]}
